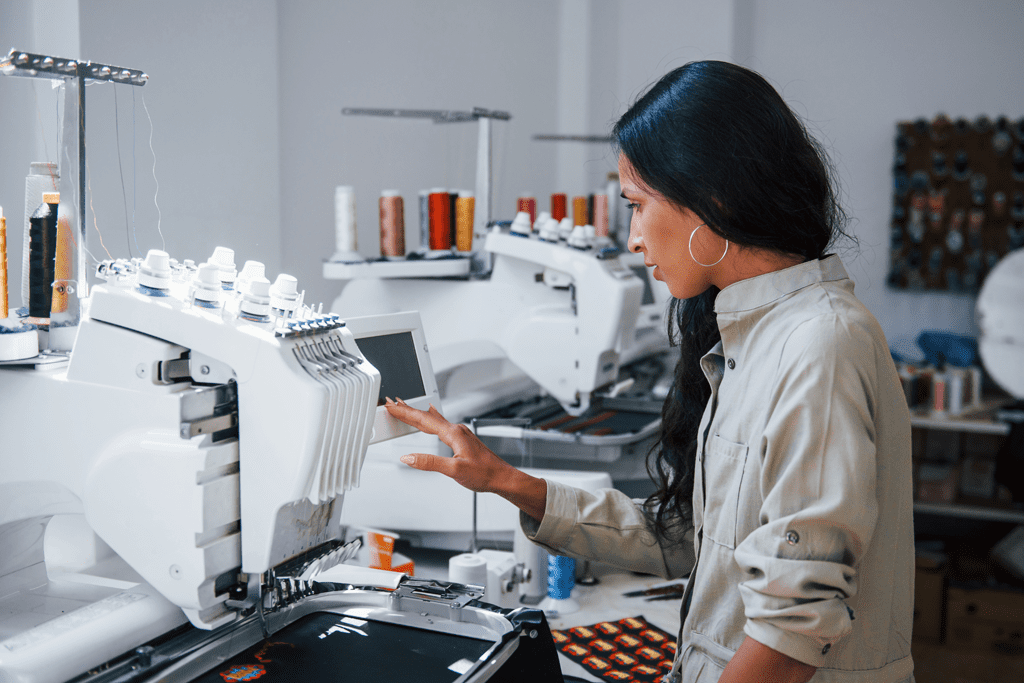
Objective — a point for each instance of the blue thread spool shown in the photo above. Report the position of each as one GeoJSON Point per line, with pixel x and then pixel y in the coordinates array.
{"type": "Point", "coordinates": [561, 576]}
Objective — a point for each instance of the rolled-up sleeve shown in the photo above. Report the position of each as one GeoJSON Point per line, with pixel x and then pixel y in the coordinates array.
{"type": "Point", "coordinates": [609, 527]}
{"type": "Point", "coordinates": [818, 481]}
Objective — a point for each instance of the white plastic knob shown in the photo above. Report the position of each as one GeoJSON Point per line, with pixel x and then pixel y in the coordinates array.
{"type": "Point", "coordinates": [565, 228]}
{"type": "Point", "coordinates": [284, 294]}
{"type": "Point", "coordinates": [208, 283]}
{"type": "Point", "coordinates": [224, 258]}
{"type": "Point", "coordinates": [549, 230]}
{"type": "Point", "coordinates": [155, 271]}
{"type": "Point", "coordinates": [521, 224]}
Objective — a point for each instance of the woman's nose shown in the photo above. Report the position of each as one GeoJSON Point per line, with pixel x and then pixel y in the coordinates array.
{"type": "Point", "coordinates": [635, 241]}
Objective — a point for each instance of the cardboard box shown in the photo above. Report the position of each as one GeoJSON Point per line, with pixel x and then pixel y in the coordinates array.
{"type": "Point", "coordinates": [985, 620]}
{"type": "Point", "coordinates": [941, 664]}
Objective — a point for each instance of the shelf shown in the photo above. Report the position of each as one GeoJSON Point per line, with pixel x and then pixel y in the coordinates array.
{"type": "Point", "coordinates": [970, 512]}
{"type": "Point", "coordinates": [411, 268]}
{"type": "Point", "coordinates": [974, 420]}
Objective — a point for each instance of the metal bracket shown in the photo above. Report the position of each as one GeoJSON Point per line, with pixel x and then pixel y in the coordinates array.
{"type": "Point", "coordinates": [413, 595]}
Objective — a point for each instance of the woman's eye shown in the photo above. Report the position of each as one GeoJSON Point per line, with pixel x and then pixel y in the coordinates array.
{"type": "Point", "coordinates": [632, 206]}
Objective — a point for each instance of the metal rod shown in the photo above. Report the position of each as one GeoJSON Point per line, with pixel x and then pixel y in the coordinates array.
{"type": "Point", "coordinates": [603, 139]}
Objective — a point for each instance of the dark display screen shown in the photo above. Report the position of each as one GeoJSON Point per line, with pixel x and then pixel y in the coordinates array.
{"type": "Point", "coordinates": [394, 355]}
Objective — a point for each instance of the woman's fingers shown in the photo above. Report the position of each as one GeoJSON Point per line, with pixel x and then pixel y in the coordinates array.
{"type": "Point", "coordinates": [428, 462]}
{"type": "Point", "coordinates": [429, 421]}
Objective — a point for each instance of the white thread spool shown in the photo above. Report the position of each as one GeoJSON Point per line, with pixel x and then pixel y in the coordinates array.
{"type": "Point", "coordinates": [535, 561]}
{"type": "Point", "coordinates": [469, 569]}
{"type": "Point", "coordinates": [345, 235]}
{"type": "Point", "coordinates": [42, 177]}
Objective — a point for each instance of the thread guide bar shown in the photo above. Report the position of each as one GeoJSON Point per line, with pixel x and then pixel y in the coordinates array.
{"type": "Point", "coordinates": [437, 115]}
{"type": "Point", "coordinates": [31, 65]}
{"type": "Point", "coordinates": [573, 138]}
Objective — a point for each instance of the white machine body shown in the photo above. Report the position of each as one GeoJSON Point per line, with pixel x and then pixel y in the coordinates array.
{"type": "Point", "coordinates": [199, 451]}
{"type": "Point", "coordinates": [561, 315]}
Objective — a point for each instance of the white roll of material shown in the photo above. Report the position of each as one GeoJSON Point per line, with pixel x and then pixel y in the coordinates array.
{"type": "Point", "coordinates": [469, 569]}
{"type": "Point", "coordinates": [345, 233]}
{"type": "Point", "coordinates": [42, 177]}
{"type": "Point", "coordinates": [535, 564]}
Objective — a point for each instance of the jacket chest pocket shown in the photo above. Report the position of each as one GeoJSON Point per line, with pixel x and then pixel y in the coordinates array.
{"type": "Point", "coordinates": [724, 462]}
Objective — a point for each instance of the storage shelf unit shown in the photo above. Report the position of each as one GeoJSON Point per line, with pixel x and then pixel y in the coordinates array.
{"type": "Point", "coordinates": [970, 512]}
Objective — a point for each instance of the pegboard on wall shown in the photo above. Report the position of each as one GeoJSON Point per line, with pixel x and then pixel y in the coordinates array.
{"type": "Point", "coordinates": [958, 201]}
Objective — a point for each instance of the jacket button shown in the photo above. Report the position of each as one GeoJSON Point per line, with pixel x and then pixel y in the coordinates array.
{"type": "Point", "coordinates": [732, 364]}
{"type": "Point", "coordinates": [792, 537]}
{"type": "Point", "coordinates": [824, 650]}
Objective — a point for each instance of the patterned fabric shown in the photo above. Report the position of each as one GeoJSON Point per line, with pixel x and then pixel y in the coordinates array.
{"type": "Point", "coordinates": [626, 650]}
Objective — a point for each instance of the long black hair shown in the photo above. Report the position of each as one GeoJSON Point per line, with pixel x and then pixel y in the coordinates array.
{"type": "Point", "coordinates": [717, 139]}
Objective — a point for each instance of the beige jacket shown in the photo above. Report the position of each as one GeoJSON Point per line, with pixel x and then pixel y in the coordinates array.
{"type": "Point", "coordinates": [803, 508]}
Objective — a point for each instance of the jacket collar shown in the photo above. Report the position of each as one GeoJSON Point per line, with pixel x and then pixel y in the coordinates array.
{"type": "Point", "coordinates": [762, 290]}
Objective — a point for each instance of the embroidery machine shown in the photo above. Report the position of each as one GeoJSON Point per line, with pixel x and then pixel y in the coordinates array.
{"type": "Point", "coordinates": [178, 444]}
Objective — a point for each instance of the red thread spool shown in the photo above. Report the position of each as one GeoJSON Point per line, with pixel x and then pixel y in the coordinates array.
{"type": "Point", "coordinates": [558, 202]}
{"type": "Point", "coordinates": [439, 204]}
{"type": "Point", "coordinates": [601, 215]}
{"type": "Point", "coordinates": [529, 205]}
{"type": "Point", "coordinates": [579, 210]}
{"type": "Point", "coordinates": [392, 224]}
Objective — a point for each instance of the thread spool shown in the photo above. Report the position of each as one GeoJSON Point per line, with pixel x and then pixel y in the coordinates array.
{"type": "Point", "coordinates": [601, 215]}
{"type": "Point", "coordinates": [42, 252]}
{"type": "Point", "coordinates": [452, 197]}
{"type": "Point", "coordinates": [561, 577]}
{"type": "Point", "coordinates": [465, 208]}
{"type": "Point", "coordinates": [62, 266]}
{"type": "Point", "coordinates": [440, 219]}
{"type": "Point", "coordinates": [345, 235]}
{"type": "Point", "coordinates": [3, 265]}
{"type": "Point", "coordinates": [535, 565]}
{"type": "Point", "coordinates": [424, 220]}
{"type": "Point", "coordinates": [615, 209]}
{"type": "Point", "coordinates": [469, 569]}
{"type": "Point", "coordinates": [42, 177]}
{"type": "Point", "coordinates": [527, 203]}
{"type": "Point", "coordinates": [558, 206]}
{"type": "Point", "coordinates": [579, 210]}
{"type": "Point", "coordinates": [392, 224]}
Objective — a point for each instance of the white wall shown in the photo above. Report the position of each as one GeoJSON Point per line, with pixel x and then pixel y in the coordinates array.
{"type": "Point", "coordinates": [213, 97]}
{"type": "Point", "coordinates": [855, 67]}
{"type": "Point", "coordinates": [448, 54]}
{"type": "Point", "coordinates": [250, 142]}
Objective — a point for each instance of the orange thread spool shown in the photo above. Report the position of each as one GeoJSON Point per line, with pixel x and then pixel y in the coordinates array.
{"type": "Point", "coordinates": [558, 206]}
{"type": "Point", "coordinates": [465, 206]}
{"type": "Point", "coordinates": [529, 205]}
{"type": "Point", "coordinates": [61, 266]}
{"type": "Point", "coordinates": [601, 215]}
{"type": "Point", "coordinates": [392, 223]}
{"type": "Point", "coordinates": [3, 265]}
{"type": "Point", "coordinates": [579, 210]}
{"type": "Point", "coordinates": [440, 219]}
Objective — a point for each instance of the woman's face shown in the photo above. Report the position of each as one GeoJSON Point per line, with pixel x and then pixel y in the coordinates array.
{"type": "Point", "coordinates": [661, 231]}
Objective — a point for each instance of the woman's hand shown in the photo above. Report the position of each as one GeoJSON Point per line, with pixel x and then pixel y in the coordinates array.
{"type": "Point", "coordinates": [473, 465]}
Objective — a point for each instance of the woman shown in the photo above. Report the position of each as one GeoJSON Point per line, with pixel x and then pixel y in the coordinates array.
{"type": "Point", "coordinates": [784, 464]}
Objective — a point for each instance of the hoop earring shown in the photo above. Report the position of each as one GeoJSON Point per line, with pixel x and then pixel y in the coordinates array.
{"type": "Point", "coordinates": [690, 247]}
